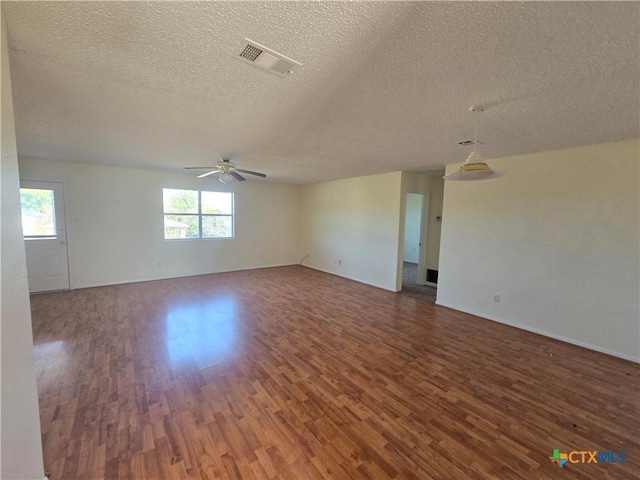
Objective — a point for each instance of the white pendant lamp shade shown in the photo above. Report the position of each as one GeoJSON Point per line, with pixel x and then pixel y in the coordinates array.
{"type": "Point", "coordinates": [474, 167]}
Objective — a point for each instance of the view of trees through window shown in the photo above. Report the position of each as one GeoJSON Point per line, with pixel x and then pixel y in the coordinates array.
{"type": "Point", "coordinates": [38, 212]}
{"type": "Point", "coordinates": [196, 214]}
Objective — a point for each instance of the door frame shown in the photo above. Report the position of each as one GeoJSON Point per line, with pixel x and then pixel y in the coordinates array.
{"type": "Point", "coordinates": [27, 183]}
{"type": "Point", "coordinates": [424, 224]}
{"type": "Point", "coordinates": [422, 252]}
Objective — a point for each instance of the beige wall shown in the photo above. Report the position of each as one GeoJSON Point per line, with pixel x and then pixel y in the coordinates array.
{"type": "Point", "coordinates": [21, 447]}
{"type": "Point", "coordinates": [436, 195]}
{"type": "Point", "coordinates": [351, 228]}
{"type": "Point", "coordinates": [115, 224]}
{"type": "Point", "coordinates": [557, 238]}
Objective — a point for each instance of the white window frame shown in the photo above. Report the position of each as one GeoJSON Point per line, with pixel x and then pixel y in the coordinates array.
{"type": "Point", "coordinates": [200, 215]}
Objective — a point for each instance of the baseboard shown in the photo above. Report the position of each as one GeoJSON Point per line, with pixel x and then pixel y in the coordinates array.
{"type": "Point", "coordinates": [546, 334]}
{"type": "Point", "coordinates": [351, 278]}
{"type": "Point", "coordinates": [154, 279]}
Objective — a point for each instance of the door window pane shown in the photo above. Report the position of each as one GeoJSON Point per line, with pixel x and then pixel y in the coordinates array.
{"type": "Point", "coordinates": [38, 212]}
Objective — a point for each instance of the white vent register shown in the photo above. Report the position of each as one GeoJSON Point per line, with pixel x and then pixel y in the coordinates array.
{"type": "Point", "coordinates": [264, 58]}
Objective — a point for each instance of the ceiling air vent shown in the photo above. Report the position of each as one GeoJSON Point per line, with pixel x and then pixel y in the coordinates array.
{"type": "Point", "coordinates": [264, 58]}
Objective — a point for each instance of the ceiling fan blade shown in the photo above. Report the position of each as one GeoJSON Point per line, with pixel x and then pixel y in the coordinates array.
{"type": "Point", "coordinates": [197, 168]}
{"type": "Point", "coordinates": [212, 172]}
{"type": "Point", "coordinates": [237, 176]}
{"type": "Point", "coordinates": [251, 173]}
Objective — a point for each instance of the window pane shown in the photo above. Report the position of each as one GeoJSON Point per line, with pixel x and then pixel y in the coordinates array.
{"type": "Point", "coordinates": [181, 226]}
{"type": "Point", "coordinates": [180, 201]}
{"type": "Point", "coordinates": [38, 212]}
{"type": "Point", "coordinates": [217, 202]}
{"type": "Point", "coordinates": [214, 226]}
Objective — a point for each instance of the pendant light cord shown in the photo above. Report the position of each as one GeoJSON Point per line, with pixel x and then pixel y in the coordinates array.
{"type": "Point", "coordinates": [475, 140]}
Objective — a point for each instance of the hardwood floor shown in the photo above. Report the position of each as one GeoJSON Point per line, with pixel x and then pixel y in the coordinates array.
{"type": "Point", "coordinates": [295, 374]}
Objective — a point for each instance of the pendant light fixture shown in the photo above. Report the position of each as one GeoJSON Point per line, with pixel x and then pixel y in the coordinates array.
{"type": "Point", "coordinates": [474, 167]}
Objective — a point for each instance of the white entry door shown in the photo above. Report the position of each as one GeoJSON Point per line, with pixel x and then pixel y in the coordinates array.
{"type": "Point", "coordinates": [45, 235]}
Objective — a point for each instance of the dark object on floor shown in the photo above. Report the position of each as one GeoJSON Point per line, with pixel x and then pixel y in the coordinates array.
{"type": "Point", "coordinates": [432, 276]}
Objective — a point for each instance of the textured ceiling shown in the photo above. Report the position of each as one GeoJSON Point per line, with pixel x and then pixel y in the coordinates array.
{"type": "Point", "coordinates": [385, 86]}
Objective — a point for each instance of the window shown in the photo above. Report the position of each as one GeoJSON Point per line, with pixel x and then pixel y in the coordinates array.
{"type": "Point", "coordinates": [38, 213]}
{"type": "Point", "coordinates": [217, 214]}
{"type": "Point", "coordinates": [195, 214]}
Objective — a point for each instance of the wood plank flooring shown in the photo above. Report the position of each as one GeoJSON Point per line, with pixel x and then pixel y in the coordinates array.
{"type": "Point", "coordinates": [290, 373]}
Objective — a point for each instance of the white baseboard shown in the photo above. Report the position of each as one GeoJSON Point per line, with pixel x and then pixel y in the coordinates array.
{"type": "Point", "coordinates": [350, 278]}
{"type": "Point", "coordinates": [545, 333]}
{"type": "Point", "coordinates": [153, 279]}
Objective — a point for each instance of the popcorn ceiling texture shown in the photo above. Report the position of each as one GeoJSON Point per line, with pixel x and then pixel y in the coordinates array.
{"type": "Point", "coordinates": [385, 86]}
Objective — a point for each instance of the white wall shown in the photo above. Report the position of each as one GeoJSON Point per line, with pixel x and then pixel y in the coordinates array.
{"type": "Point", "coordinates": [355, 221]}
{"type": "Point", "coordinates": [115, 224]}
{"type": "Point", "coordinates": [21, 447]}
{"type": "Point", "coordinates": [557, 238]}
{"type": "Point", "coordinates": [412, 224]}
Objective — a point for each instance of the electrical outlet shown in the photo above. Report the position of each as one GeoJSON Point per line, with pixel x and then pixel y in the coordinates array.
{"type": "Point", "coordinates": [339, 262]}
{"type": "Point", "coordinates": [496, 298]}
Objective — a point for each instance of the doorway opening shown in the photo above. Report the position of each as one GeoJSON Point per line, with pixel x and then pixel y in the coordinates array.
{"type": "Point", "coordinates": [414, 264]}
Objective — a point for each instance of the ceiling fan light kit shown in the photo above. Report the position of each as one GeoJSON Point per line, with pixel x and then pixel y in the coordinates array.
{"type": "Point", "coordinates": [226, 178]}
{"type": "Point", "coordinates": [474, 167]}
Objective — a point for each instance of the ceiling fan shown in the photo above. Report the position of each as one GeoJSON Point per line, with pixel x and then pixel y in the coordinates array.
{"type": "Point", "coordinates": [227, 171]}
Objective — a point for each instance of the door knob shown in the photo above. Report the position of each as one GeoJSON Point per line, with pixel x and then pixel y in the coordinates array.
{"type": "Point", "coordinates": [62, 242]}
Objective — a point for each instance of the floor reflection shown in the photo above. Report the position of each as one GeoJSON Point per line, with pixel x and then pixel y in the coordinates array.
{"type": "Point", "coordinates": [51, 359]}
{"type": "Point", "coordinates": [48, 349]}
{"type": "Point", "coordinates": [204, 333]}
